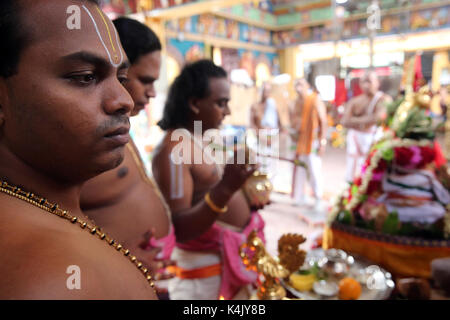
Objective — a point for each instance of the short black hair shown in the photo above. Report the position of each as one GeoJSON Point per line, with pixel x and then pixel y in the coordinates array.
{"type": "Point", "coordinates": [193, 82]}
{"type": "Point", "coordinates": [15, 37]}
{"type": "Point", "coordinates": [137, 39]}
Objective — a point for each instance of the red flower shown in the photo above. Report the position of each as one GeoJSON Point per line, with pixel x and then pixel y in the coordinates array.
{"type": "Point", "coordinates": [369, 158]}
{"type": "Point", "coordinates": [374, 186]}
{"type": "Point", "coordinates": [403, 156]}
{"type": "Point", "coordinates": [382, 166]}
{"type": "Point", "coordinates": [428, 155]}
{"type": "Point", "coordinates": [440, 158]}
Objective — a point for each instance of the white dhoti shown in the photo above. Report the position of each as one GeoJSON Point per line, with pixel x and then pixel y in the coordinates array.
{"type": "Point", "coordinates": [313, 173]}
{"type": "Point", "coordinates": [207, 288]}
{"type": "Point", "coordinates": [358, 147]}
{"type": "Point", "coordinates": [194, 289]}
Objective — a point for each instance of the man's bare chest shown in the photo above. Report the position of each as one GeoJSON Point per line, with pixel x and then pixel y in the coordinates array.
{"type": "Point", "coordinates": [361, 108]}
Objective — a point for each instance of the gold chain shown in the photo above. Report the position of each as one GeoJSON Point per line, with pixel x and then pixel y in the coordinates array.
{"type": "Point", "coordinates": [43, 204]}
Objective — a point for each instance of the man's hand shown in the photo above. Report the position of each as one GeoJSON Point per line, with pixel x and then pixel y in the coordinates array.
{"type": "Point", "coordinates": [284, 130]}
{"type": "Point", "coordinates": [321, 150]}
{"type": "Point", "coordinates": [159, 269]}
{"type": "Point", "coordinates": [148, 256]}
{"type": "Point", "coordinates": [236, 174]}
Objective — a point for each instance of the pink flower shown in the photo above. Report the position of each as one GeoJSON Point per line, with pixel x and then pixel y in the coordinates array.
{"type": "Point", "coordinates": [416, 158]}
{"type": "Point", "coordinates": [377, 176]}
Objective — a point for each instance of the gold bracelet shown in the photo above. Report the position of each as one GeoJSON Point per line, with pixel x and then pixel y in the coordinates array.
{"type": "Point", "coordinates": [213, 206]}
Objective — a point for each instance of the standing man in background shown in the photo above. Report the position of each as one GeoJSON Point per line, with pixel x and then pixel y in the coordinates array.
{"type": "Point", "coordinates": [309, 119]}
{"type": "Point", "coordinates": [361, 117]}
{"type": "Point", "coordinates": [264, 115]}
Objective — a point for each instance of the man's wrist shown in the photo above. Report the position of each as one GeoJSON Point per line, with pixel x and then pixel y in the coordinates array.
{"type": "Point", "coordinates": [213, 206]}
{"type": "Point", "coordinates": [221, 194]}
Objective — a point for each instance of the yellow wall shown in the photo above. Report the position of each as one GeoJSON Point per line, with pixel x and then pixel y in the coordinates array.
{"type": "Point", "coordinates": [288, 64]}
{"type": "Point", "coordinates": [440, 61]}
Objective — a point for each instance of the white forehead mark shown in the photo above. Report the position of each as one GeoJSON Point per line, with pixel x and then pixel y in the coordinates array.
{"type": "Point", "coordinates": [103, 43]}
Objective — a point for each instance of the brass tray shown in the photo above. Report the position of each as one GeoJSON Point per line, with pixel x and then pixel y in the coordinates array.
{"type": "Point", "coordinates": [376, 282]}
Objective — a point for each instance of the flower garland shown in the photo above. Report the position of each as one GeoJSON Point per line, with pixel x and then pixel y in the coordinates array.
{"type": "Point", "coordinates": [388, 145]}
{"type": "Point", "coordinates": [384, 146]}
{"type": "Point", "coordinates": [335, 209]}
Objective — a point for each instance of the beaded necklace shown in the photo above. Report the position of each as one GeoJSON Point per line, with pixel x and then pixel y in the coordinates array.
{"type": "Point", "coordinates": [43, 204]}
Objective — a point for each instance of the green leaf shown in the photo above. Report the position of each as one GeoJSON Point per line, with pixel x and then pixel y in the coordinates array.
{"type": "Point", "coordinates": [388, 154]}
{"type": "Point", "coordinates": [354, 190]}
{"type": "Point", "coordinates": [371, 225]}
{"type": "Point", "coordinates": [406, 229]}
{"type": "Point", "coordinates": [344, 217]}
{"type": "Point", "coordinates": [304, 272]}
{"type": "Point", "coordinates": [391, 224]}
{"type": "Point", "coordinates": [363, 198]}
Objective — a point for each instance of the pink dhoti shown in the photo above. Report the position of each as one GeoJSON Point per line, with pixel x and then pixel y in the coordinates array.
{"type": "Point", "coordinates": [210, 268]}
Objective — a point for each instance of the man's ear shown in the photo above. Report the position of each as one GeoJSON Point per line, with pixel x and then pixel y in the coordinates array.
{"type": "Point", "coordinates": [193, 107]}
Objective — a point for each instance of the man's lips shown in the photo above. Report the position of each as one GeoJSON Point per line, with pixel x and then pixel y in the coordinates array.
{"type": "Point", "coordinates": [119, 136]}
{"type": "Point", "coordinates": [141, 106]}
{"type": "Point", "coordinates": [118, 131]}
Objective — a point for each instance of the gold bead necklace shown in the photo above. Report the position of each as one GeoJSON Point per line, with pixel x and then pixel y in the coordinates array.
{"type": "Point", "coordinates": [43, 204]}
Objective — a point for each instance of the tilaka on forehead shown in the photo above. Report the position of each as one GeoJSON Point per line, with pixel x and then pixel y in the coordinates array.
{"type": "Point", "coordinates": [116, 62]}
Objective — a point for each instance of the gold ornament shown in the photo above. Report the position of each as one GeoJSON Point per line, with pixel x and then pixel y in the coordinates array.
{"type": "Point", "coordinates": [269, 267]}
{"type": "Point", "coordinates": [290, 255]}
{"type": "Point", "coordinates": [257, 189]}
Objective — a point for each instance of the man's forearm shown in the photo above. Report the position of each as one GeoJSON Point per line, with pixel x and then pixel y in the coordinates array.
{"type": "Point", "coordinates": [193, 222]}
{"type": "Point", "coordinates": [357, 122]}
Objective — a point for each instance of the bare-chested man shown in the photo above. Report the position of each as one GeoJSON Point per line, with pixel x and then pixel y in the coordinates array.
{"type": "Point", "coordinates": [362, 115]}
{"type": "Point", "coordinates": [211, 216]}
{"type": "Point", "coordinates": [64, 118]}
{"type": "Point", "coordinates": [125, 201]}
{"type": "Point", "coordinates": [264, 113]}
{"type": "Point", "coordinates": [265, 119]}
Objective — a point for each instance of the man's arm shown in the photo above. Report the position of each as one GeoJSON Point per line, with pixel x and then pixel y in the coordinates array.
{"type": "Point", "coordinates": [294, 115]}
{"type": "Point", "coordinates": [189, 221]}
{"type": "Point", "coordinates": [323, 123]}
{"type": "Point", "coordinates": [192, 221]}
{"type": "Point", "coordinates": [255, 122]}
{"type": "Point", "coordinates": [280, 125]}
{"type": "Point", "coordinates": [375, 118]}
{"type": "Point", "coordinates": [347, 119]}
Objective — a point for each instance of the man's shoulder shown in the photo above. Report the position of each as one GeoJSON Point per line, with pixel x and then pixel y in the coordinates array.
{"type": "Point", "coordinates": [173, 149]}
{"type": "Point", "coordinates": [165, 146]}
{"type": "Point", "coordinates": [40, 261]}
{"type": "Point", "coordinates": [51, 261]}
{"type": "Point", "coordinates": [356, 99]}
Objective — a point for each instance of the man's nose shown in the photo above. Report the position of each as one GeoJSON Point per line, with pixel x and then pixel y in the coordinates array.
{"type": "Point", "coordinates": [150, 91]}
{"type": "Point", "coordinates": [227, 110]}
{"type": "Point", "coordinates": [117, 99]}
